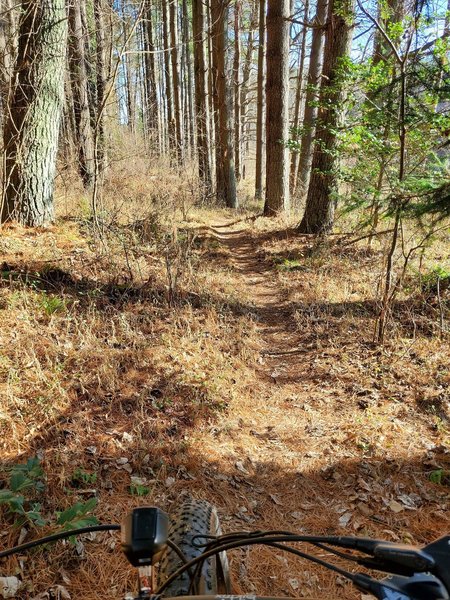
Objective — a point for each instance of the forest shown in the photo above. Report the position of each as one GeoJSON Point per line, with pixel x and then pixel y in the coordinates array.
{"type": "Point", "coordinates": [224, 275]}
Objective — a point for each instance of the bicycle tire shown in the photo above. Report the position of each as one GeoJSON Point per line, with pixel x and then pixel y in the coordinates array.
{"type": "Point", "coordinates": [194, 518]}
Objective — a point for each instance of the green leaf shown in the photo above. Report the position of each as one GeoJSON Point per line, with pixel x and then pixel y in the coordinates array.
{"type": "Point", "coordinates": [19, 481]}
{"type": "Point", "coordinates": [83, 522]}
{"type": "Point", "coordinates": [6, 496]}
{"type": "Point", "coordinates": [73, 513]}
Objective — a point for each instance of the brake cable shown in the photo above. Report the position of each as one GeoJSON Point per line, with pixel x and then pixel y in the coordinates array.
{"type": "Point", "coordinates": [57, 536]}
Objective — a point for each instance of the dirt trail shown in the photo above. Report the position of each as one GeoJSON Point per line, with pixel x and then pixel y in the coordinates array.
{"type": "Point", "coordinates": [262, 466]}
{"type": "Point", "coordinates": [297, 448]}
{"type": "Point", "coordinates": [256, 280]}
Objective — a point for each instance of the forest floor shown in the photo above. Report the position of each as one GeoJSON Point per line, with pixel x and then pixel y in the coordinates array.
{"type": "Point", "coordinates": [252, 381]}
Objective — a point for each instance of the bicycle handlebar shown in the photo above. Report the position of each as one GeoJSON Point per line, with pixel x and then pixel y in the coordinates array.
{"type": "Point", "coordinates": [418, 574]}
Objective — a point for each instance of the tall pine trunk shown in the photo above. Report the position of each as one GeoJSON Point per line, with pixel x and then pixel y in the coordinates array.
{"type": "Point", "coordinates": [201, 95]}
{"type": "Point", "coordinates": [277, 116]}
{"type": "Point", "coordinates": [189, 113]}
{"type": "Point", "coordinates": [34, 114]}
{"type": "Point", "coordinates": [259, 174]}
{"type": "Point", "coordinates": [152, 108]}
{"type": "Point", "coordinates": [99, 133]}
{"type": "Point", "coordinates": [168, 92]}
{"type": "Point", "coordinates": [246, 71]}
{"type": "Point", "coordinates": [7, 55]}
{"type": "Point", "coordinates": [80, 96]}
{"type": "Point", "coordinates": [298, 101]}
{"type": "Point", "coordinates": [237, 89]}
{"type": "Point", "coordinates": [128, 74]}
{"type": "Point", "coordinates": [225, 177]}
{"type": "Point", "coordinates": [323, 187]}
{"type": "Point", "coordinates": [175, 61]}
{"type": "Point", "coordinates": [312, 95]}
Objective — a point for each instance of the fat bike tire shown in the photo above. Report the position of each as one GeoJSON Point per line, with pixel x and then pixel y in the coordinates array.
{"type": "Point", "coordinates": [194, 518]}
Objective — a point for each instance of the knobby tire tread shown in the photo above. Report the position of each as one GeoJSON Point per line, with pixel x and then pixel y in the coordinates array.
{"type": "Point", "coordinates": [192, 518]}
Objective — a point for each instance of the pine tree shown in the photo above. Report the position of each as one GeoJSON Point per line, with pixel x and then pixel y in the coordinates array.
{"type": "Point", "coordinates": [34, 113]}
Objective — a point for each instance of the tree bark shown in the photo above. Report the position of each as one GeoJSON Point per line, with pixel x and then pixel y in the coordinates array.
{"type": "Point", "coordinates": [7, 54]}
{"type": "Point", "coordinates": [171, 125]}
{"type": "Point", "coordinates": [129, 84]}
{"type": "Point", "coordinates": [277, 117]}
{"type": "Point", "coordinates": [173, 9]}
{"type": "Point", "coordinates": [34, 114]}
{"type": "Point", "coordinates": [245, 86]}
{"type": "Point", "coordinates": [190, 112]}
{"type": "Point", "coordinates": [99, 133]}
{"type": "Point", "coordinates": [80, 96]}
{"type": "Point", "coordinates": [212, 100]}
{"type": "Point", "coordinates": [298, 101]}
{"type": "Point", "coordinates": [237, 90]}
{"type": "Point", "coordinates": [150, 72]}
{"type": "Point", "coordinates": [260, 109]}
{"type": "Point", "coordinates": [312, 94]}
{"type": "Point", "coordinates": [323, 187]}
{"type": "Point", "coordinates": [201, 92]}
{"type": "Point", "coordinates": [225, 178]}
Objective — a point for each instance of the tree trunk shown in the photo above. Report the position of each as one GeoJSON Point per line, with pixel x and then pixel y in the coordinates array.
{"type": "Point", "coordinates": [7, 55]}
{"type": "Point", "coordinates": [225, 178]}
{"type": "Point", "coordinates": [150, 73]}
{"type": "Point", "coordinates": [80, 96]}
{"type": "Point", "coordinates": [190, 113]}
{"type": "Point", "coordinates": [245, 85]}
{"type": "Point", "coordinates": [201, 100]}
{"type": "Point", "coordinates": [34, 114]}
{"type": "Point", "coordinates": [237, 90]}
{"type": "Point", "coordinates": [211, 95]}
{"type": "Point", "coordinates": [129, 84]}
{"type": "Point", "coordinates": [277, 117]}
{"type": "Point", "coordinates": [312, 95]}
{"type": "Point", "coordinates": [323, 187]}
{"type": "Point", "coordinates": [173, 8]}
{"type": "Point", "coordinates": [259, 186]}
{"type": "Point", "coordinates": [298, 101]}
{"type": "Point", "coordinates": [99, 134]}
{"type": "Point", "coordinates": [89, 62]}
{"type": "Point", "coordinates": [171, 125]}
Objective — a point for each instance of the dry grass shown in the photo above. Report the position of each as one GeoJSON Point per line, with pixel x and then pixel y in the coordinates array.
{"type": "Point", "coordinates": [199, 391]}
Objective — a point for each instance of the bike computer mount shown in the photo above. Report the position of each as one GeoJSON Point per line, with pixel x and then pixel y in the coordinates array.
{"type": "Point", "coordinates": [144, 537]}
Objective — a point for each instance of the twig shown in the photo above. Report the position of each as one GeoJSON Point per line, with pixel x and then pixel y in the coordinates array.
{"type": "Point", "coordinates": [441, 309]}
{"type": "Point", "coordinates": [364, 237]}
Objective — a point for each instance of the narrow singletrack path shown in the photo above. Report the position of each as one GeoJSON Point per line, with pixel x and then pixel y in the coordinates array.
{"type": "Point", "coordinates": [299, 446]}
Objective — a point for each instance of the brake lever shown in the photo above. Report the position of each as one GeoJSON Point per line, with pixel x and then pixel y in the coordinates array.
{"type": "Point", "coordinates": [417, 587]}
{"type": "Point", "coordinates": [385, 566]}
{"type": "Point", "coordinates": [440, 551]}
{"type": "Point", "coordinates": [410, 557]}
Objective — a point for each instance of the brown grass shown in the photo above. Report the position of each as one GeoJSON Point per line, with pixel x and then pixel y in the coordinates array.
{"type": "Point", "coordinates": [199, 388]}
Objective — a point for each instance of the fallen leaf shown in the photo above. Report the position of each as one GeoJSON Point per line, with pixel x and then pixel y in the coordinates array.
{"type": "Point", "coordinates": [9, 586]}
{"type": "Point", "coordinates": [395, 506]}
{"type": "Point", "coordinates": [276, 500]}
{"type": "Point", "coordinates": [411, 502]}
{"type": "Point", "coordinates": [293, 583]}
{"type": "Point", "coordinates": [345, 519]}
{"type": "Point", "coordinates": [364, 509]}
{"type": "Point", "coordinates": [64, 576]}
{"type": "Point", "coordinates": [240, 467]}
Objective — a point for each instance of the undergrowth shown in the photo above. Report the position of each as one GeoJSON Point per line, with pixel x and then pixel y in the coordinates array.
{"type": "Point", "coordinates": [139, 363]}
